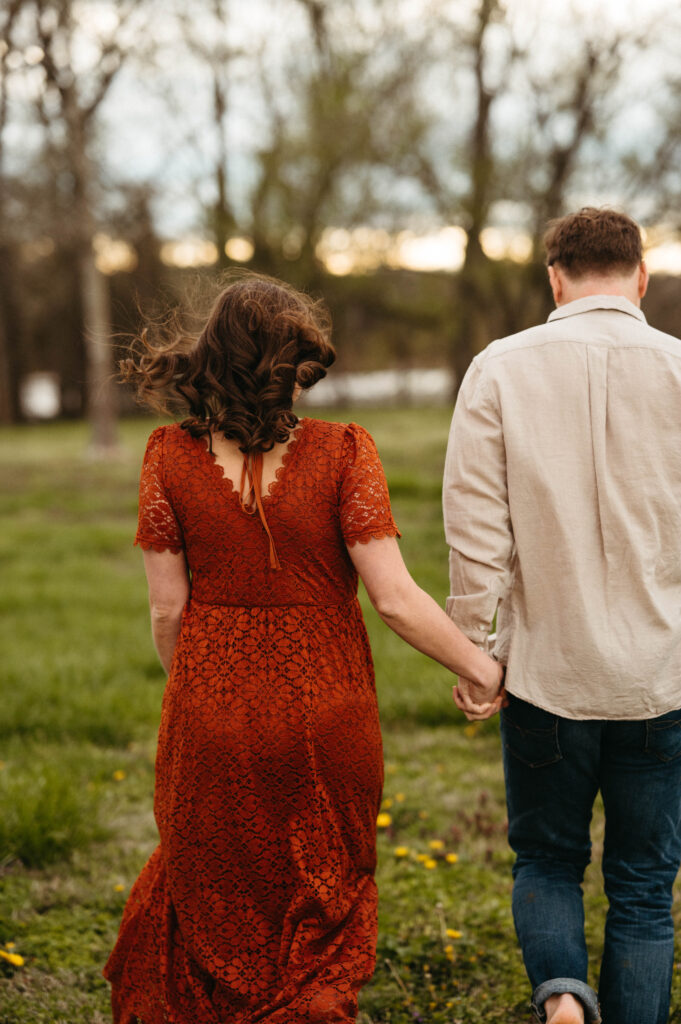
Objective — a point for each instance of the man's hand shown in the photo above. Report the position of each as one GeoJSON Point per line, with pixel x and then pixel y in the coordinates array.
{"type": "Point", "coordinates": [480, 702]}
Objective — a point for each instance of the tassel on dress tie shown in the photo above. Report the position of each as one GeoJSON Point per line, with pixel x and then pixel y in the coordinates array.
{"type": "Point", "coordinates": [252, 471]}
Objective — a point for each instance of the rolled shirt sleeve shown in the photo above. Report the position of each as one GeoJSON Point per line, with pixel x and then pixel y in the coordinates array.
{"type": "Point", "coordinates": [476, 509]}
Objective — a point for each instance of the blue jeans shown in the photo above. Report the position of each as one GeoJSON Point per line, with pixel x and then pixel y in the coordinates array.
{"type": "Point", "coordinates": [554, 768]}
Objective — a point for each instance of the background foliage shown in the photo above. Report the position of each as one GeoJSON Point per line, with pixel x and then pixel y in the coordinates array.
{"type": "Point", "coordinates": [328, 138]}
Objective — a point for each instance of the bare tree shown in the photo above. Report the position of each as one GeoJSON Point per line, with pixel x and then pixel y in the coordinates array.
{"type": "Point", "coordinates": [470, 205]}
{"type": "Point", "coordinates": [208, 39]}
{"type": "Point", "coordinates": [10, 317]}
{"type": "Point", "coordinates": [651, 164]}
{"type": "Point", "coordinates": [560, 111]}
{"type": "Point", "coordinates": [474, 280]}
{"type": "Point", "coordinates": [570, 110]}
{"type": "Point", "coordinates": [68, 106]}
{"type": "Point", "coordinates": [347, 116]}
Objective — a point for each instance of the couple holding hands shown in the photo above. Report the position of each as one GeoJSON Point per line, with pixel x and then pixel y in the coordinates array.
{"type": "Point", "coordinates": [562, 506]}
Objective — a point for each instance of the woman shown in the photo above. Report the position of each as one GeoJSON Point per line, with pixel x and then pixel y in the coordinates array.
{"type": "Point", "coordinates": [260, 903]}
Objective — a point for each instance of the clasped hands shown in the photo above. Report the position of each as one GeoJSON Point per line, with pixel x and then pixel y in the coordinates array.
{"type": "Point", "coordinates": [478, 701]}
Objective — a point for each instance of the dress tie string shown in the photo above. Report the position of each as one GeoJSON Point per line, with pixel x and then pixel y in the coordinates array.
{"type": "Point", "coordinates": [252, 471]}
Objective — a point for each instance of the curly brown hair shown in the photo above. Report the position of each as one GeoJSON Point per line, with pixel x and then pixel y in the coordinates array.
{"type": "Point", "coordinates": [238, 377]}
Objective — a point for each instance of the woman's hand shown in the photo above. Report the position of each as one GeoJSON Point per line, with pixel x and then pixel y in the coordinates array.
{"type": "Point", "coordinates": [481, 700]}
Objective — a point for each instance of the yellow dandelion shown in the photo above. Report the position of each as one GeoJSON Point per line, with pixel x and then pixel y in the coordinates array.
{"type": "Point", "coordinates": [119, 887]}
{"type": "Point", "coordinates": [390, 768]}
{"type": "Point", "coordinates": [472, 959]}
{"type": "Point", "coordinates": [430, 863]}
{"type": "Point", "coordinates": [118, 775]}
{"type": "Point", "coordinates": [452, 933]}
{"type": "Point", "coordinates": [452, 858]}
{"type": "Point", "coordinates": [387, 803]}
{"type": "Point", "coordinates": [471, 729]}
{"type": "Point", "coordinates": [423, 815]}
{"type": "Point", "coordinates": [384, 820]}
{"type": "Point", "coordinates": [400, 798]}
{"type": "Point", "coordinates": [422, 857]}
{"type": "Point", "coordinates": [12, 958]}
{"type": "Point", "coordinates": [401, 851]}
{"type": "Point", "coordinates": [436, 844]}
{"type": "Point", "coordinates": [10, 945]}
{"type": "Point", "coordinates": [449, 950]}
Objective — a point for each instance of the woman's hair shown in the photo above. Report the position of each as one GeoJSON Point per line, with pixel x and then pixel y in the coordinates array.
{"type": "Point", "coordinates": [238, 376]}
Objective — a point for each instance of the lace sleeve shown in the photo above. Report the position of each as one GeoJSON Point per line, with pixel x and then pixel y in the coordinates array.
{"type": "Point", "coordinates": [364, 499]}
{"type": "Point", "coordinates": [157, 526]}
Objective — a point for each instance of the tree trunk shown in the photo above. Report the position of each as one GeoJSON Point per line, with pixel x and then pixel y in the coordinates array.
{"type": "Point", "coordinates": [94, 298]}
{"type": "Point", "coordinates": [10, 340]}
{"type": "Point", "coordinates": [100, 370]}
{"type": "Point", "coordinates": [473, 286]}
{"type": "Point", "coordinates": [8, 407]}
{"type": "Point", "coordinates": [472, 301]}
{"type": "Point", "coordinates": [223, 220]}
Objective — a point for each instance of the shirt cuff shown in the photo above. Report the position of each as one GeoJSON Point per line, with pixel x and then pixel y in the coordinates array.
{"type": "Point", "coordinates": [469, 620]}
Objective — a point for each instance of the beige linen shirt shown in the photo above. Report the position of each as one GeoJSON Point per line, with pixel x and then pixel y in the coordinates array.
{"type": "Point", "coordinates": [562, 506]}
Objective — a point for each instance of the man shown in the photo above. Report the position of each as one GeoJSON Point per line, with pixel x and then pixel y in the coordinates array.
{"type": "Point", "coordinates": [562, 502]}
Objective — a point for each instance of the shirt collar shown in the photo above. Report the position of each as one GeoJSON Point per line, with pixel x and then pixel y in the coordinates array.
{"type": "Point", "coordinates": [590, 302]}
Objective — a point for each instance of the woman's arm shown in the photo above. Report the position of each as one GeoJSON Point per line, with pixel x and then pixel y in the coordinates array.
{"type": "Point", "coordinates": [419, 620]}
{"type": "Point", "coordinates": [168, 579]}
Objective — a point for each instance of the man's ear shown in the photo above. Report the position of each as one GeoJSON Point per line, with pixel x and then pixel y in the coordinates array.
{"type": "Point", "coordinates": [556, 282]}
{"type": "Point", "coordinates": [643, 279]}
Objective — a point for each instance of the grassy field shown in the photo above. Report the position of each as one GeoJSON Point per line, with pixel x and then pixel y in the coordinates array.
{"type": "Point", "coordinates": [80, 697]}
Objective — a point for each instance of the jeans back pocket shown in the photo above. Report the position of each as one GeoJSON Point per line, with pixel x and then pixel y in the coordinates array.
{"type": "Point", "coordinates": [663, 736]}
{"type": "Point", "coordinates": [530, 734]}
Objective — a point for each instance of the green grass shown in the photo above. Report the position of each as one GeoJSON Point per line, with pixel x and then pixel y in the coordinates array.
{"type": "Point", "coordinates": [80, 696]}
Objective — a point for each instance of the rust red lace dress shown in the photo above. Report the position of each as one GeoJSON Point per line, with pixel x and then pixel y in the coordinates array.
{"type": "Point", "coordinates": [259, 904]}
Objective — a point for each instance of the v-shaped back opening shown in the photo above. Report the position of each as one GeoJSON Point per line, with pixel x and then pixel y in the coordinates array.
{"type": "Point", "coordinates": [229, 460]}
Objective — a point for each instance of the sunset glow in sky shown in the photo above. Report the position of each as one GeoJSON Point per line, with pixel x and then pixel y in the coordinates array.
{"type": "Point", "coordinates": [365, 249]}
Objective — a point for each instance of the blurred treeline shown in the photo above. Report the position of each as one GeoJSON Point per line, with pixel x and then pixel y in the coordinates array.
{"type": "Point", "coordinates": [126, 124]}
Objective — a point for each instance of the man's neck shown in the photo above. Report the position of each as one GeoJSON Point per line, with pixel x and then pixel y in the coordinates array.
{"type": "Point", "coordinates": [586, 287]}
{"type": "Point", "coordinates": [631, 286]}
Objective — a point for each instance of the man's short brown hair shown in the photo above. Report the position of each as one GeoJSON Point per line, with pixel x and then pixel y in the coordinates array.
{"type": "Point", "coordinates": [594, 241]}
